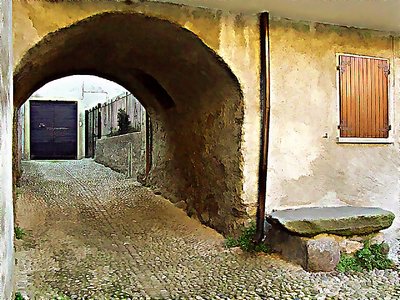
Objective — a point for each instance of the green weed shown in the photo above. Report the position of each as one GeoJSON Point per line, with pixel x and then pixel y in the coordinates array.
{"type": "Point", "coordinates": [245, 241]}
{"type": "Point", "coordinates": [19, 233]}
{"type": "Point", "coordinates": [18, 296]}
{"type": "Point", "coordinates": [368, 258]}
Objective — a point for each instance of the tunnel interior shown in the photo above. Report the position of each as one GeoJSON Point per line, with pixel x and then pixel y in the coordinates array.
{"type": "Point", "coordinates": [194, 100]}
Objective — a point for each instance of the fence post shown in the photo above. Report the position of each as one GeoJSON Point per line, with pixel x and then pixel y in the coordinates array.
{"type": "Point", "coordinates": [86, 133]}
{"type": "Point", "coordinates": [112, 114]}
{"type": "Point", "coordinates": [92, 135]}
{"type": "Point", "coordinates": [99, 121]}
{"type": "Point", "coordinates": [130, 154]}
{"type": "Point", "coordinates": [126, 102]}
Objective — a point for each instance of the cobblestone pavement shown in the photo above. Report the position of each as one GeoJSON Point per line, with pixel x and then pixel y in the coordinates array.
{"type": "Point", "coordinates": [92, 234]}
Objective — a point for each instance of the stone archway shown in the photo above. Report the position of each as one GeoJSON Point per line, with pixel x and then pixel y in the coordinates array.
{"type": "Point", "coordinates": [193, 97]}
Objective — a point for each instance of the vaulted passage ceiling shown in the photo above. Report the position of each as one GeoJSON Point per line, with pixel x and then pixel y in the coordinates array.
{"type": "Point", "coordinates": [157, 60]}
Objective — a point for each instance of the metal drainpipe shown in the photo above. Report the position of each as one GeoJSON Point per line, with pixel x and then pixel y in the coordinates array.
{"type": "Point", "coordinates": [265, 117]}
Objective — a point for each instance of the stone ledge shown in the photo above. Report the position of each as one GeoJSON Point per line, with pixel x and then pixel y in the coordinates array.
{"type": "Point", "coordinates": [342, 220]}
{"type": "Point", "coordinates": [304, 236]}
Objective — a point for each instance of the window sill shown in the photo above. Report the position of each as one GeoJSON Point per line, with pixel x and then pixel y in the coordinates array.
{"type": "Point", "coordinates": [343, 140]}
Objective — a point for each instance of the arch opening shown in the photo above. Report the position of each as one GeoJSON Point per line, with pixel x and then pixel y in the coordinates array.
{"type": "Point", "coordinates": [193, 98]}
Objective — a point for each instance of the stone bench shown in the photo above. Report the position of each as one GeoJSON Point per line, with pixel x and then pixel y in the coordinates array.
{"type": "Point", "coordinates": [314, 237]}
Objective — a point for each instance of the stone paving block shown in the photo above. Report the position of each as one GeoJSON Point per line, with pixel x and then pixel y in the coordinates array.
{"type": "Point", "coordinates": [92, 232]}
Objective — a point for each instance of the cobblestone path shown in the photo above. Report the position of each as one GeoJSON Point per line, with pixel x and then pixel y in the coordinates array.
{"type": "Point", "coordinates": [92, 234]}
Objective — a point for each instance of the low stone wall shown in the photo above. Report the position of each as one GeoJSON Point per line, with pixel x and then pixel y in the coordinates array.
{"type": "Point", "coordinates": [317, 237]}
{"type": "Point", "coordinates": [122, 152]}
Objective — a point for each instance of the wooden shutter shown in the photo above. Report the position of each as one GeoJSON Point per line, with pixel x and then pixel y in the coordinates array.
{"type": "Point", "coordinates": [364, 111]}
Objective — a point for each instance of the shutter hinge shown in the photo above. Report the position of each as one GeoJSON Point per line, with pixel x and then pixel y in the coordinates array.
{"type": "Point", "coordinates": [385, 66]}
{"type": "Point", "coordinates": [342, 66]}
{"type": "Point", "coordinates": [342, 126]}
{"type": "Point", "coordinates": [386, 129]}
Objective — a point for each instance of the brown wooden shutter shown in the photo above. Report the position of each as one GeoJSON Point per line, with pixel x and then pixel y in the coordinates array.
{"type": "Point", "coordinates": [364, 111]}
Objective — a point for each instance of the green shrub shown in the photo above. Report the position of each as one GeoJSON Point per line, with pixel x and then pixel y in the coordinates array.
{"type": "Point", "coordinates": [19, 233]}
{"type": "Point", "coordinates": [368, 258]}
{"type": "Point", "coordinates": [123, 121]}
{"type": "Point", "coordinates": [245, 241]}
{"type": "Point", "coordinates": [18, 296]}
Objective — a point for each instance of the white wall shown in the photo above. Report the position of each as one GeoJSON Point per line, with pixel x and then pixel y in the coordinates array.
{"type": "Point", "coordinates": [91, 90]}
{"type": "Point", "coordinates": [6, 203]}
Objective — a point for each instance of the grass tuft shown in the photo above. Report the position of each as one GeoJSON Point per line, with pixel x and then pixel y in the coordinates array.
{"type": "Point", "coordinates": [19, 233]}
{"type": "Point", "coordinates": [245, 241]}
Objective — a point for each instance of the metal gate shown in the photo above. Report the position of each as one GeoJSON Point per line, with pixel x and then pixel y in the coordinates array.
{"type": "Point", "coordinates": [53, 130]}
{"type": "Point", "coordinates": [92, 130]}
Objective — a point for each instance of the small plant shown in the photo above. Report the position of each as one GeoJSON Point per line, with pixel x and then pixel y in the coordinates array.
{"type": "Point", "coordinates": [123, 121]}
{"type": "Point", "coordinates": [18, 296]}
{"type": "Point", "coordinates": [19, 233]}
{"type": "Point", "coordinates": [230, 242]}
{"type": "Point", "coordinates": [348, 263]}
{"type": "Point", "coordinates": [368, 258]}
{"type": "Point", "coordinates": [18, 191]}
{"type": "Point", "coordinates": [245, 241]}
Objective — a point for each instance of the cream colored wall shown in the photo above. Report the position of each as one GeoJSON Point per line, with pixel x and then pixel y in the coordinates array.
{"type": "Point", "coordinates": [6, 197]}
{"type": "Point", "coordinates": [306, 169]}
{"type": "Point", "coordinates": [80, 126]}
{"type": "Point", "coordinates": [234, 37]}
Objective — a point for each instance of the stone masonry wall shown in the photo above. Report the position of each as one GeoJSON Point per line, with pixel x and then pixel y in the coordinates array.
{"type": "Point", "coordinates": [114, 153]}
{"type": "Point", "coordinates": [195, 71]}
{"type": "Point", "coordinates": [6, 212]}
{"type": "Point", "coordinates": [233, 37]}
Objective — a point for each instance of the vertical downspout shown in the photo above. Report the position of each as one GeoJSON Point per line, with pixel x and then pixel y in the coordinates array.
{"type": "Point", "coordinates": [149, 146]}
{"type": "Point", "coordinates": [265, 117]}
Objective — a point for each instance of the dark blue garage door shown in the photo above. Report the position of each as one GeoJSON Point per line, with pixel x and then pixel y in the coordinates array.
{"type": "Point", "coordinates": [53, 130]}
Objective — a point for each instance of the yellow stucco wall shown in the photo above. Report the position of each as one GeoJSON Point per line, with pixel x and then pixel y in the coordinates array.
{"type": "Point", "coordinates": [306, 169]}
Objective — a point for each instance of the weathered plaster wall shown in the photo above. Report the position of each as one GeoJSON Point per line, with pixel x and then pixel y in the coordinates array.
{"type": "Point", "coordinates": [118, 151]}
{"type": "Point", "coordinates": [6, 109]}
{"type": "Point", "coordinates": [214, 128]}
{"type": "Point", "coordinates": [306, 169]}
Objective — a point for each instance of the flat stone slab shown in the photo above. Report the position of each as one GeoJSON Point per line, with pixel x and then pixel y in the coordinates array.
{"type": "Point", "coordinates": [341, 220]}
